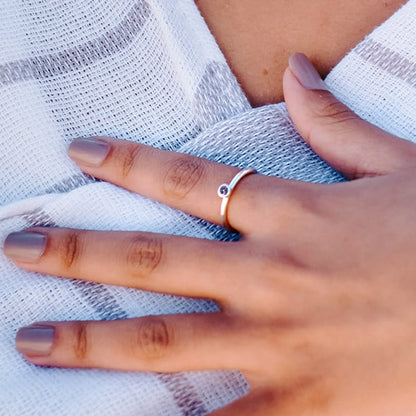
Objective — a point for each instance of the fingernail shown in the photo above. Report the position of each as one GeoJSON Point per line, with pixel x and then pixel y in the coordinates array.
{"type": "Point", "coordinates": [89, 151]}
{"type": "Point", "coordinates": [35, 340]}
{"type": "Point", "coordinates": [305, 72]}
{"type": "Point", "coordinates": [25, 246]}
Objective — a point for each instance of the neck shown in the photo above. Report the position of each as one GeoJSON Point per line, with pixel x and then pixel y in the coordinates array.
{"type": "Point", "coordinates": [258, 36]}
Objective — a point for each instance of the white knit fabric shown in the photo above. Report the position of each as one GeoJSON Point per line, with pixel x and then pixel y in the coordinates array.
{"type": "Point", "coordinates": [148, 71]}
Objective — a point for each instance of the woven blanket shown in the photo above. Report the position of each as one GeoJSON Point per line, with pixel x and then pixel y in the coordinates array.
{"type": "Point", "coordinates": [147, 71]}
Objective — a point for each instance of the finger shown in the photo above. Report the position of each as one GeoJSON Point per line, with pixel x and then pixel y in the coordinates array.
{"type": "Point", "coordinates": [162, 263]}
{"type": "Point", "coordinates": [257, 403]}
{"type": "Point", "coordinates": [182, 181]}
{"type": "Point", "coordinates": [348, 143]}
{"type": "Point", "coordinates": [155, 343]}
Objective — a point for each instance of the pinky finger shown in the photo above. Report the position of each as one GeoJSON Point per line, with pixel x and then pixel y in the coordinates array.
{"type": "Point", "coordinates": [155, 343]}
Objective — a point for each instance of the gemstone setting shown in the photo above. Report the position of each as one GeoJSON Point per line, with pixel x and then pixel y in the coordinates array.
{"type": "Point", "coordinates": [223, 190]}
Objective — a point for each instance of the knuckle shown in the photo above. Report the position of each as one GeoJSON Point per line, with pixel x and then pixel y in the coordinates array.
{"type": "Point", "coordinates": [332, 111]}
{"type": "Point", "coordinates": [144, 255]}
{"type": "Point", "coordinates": [153, 337]}
{"type": "Point", "coordinates": [70, 249]}
{"type": "Point", "coordinates": [294, 263]}
{"type": "Point", "coordinates": [126, 157]}
{"type": "Point", "coordinates": [304, 393]}
{"type": "Point", "coordinates": [296, 206]}
{"type": "Point", "coordinates": [182, 176]}
{"type": "Point", "coordinates": [80, 340]}
{"type": "Point", "coordinates": [308, 204]}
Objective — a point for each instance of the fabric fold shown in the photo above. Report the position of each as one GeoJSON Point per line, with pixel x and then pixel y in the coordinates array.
{"type": "Point", "coordinates": [147, 71]}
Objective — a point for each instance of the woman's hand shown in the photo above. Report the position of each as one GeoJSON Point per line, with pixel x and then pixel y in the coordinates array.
{"type": "Point", "coordinates": [318, 298]}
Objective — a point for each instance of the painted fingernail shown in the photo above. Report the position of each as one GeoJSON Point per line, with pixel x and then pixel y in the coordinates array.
{"type": "Point", "coordinates": [305, 72]}
{"type": "Point", "coordinates": [89, 151]}
{"type": "Point", "coordinates": [35, 340]}
{"type": "Point", "coordinates": [25, 246]}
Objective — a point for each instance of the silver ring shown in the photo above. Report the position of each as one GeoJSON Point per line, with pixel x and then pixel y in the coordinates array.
{"type": "Point", "coordinates": [224, 192]}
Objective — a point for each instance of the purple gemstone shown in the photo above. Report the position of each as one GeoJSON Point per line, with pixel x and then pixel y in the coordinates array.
{"type": "Point", "coordinates": [223, 190]}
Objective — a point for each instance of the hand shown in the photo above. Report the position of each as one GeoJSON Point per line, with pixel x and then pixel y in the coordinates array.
{"type": "Point", "coordinates": [318, 298]}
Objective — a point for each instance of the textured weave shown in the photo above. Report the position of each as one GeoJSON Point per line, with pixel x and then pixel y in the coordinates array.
{"type": "Point", "coordinates": [148, 71]}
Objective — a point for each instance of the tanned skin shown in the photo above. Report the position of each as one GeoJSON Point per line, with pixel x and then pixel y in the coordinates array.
{"type": "Point", "coordinates": [258, 36]}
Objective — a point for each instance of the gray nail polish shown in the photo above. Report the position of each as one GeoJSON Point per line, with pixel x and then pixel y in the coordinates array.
{"type": "Point", "coordinates": [25, 246]}
{"type": "Point", "coordinates": [89, 151]}
{"type": "Point", "coordinates": [305, 72]}
{"type": "Point", "coordinates": [35, 340]}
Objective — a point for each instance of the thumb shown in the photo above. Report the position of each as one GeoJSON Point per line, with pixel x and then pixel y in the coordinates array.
{"type": "Point", "coordinates": [349, 144]}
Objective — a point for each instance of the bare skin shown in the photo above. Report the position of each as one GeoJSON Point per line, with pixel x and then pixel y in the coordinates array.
{"type": "Point", "coordinates": [258, 36]}
{"type": "Point", "coordinates": [321, 286]}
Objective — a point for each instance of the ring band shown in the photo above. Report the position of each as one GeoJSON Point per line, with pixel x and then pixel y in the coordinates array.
{"type": "Point", "coordinates": [224, 192]}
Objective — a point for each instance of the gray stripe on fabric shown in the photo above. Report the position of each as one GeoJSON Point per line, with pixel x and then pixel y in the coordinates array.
{"type": "Point", "coordinates": [80, 56]}
{"type": "Point", "coordinates": [100, 298]}
{"type": "Point", "coordinates": [70, 183]}
{"type": "Point", "coordinates": [184, 394]}
{"type": "Point", "coordinates": [387, 60]}
{"type": "Point", "coordinates": [218, 96]}
{"type": "Point", "coordinates": [39, 218]}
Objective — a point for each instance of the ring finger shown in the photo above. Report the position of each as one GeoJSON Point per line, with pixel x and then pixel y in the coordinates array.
{"type": "Point", "coordinates": [182, 181]}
